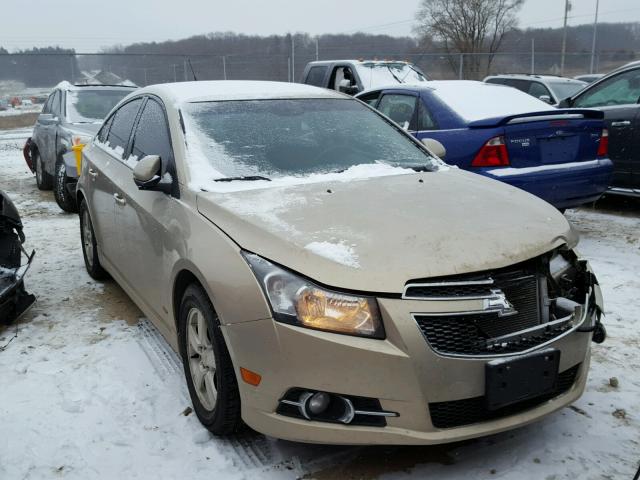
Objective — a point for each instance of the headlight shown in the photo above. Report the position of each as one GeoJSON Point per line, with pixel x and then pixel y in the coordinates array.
{"type": "Point", "coordinates": [297, 301]}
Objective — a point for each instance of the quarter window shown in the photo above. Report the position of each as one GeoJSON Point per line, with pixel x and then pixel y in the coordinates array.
{"type": "Point", "coordinates": [152, 133]}
{"type": "Point", "coordinates": [121, 126]}
{"type": "Point", "coordinates": [370, 98]}
{"type": "Point", "coordinates": [316, 76]}
{"type": "Point", "coordinates": [623, 89]}
{"type": "Point", "coordinates": [400, 109]}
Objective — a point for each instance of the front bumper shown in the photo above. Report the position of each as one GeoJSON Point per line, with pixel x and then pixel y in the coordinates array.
{"type": "Point", "coordinates": [584, 182]}
{"type": "Point", "coordinates": [403, 372]}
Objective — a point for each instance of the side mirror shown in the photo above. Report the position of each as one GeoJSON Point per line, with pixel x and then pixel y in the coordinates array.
{"type": "Point", "coordinates": [566, 103]}
{"type": "Point", "coordinates": [47, 119]}
{"type": "Point", "coordinates": [349, 89]}
{"type": "Point", "coordinates": [545, 98]}
{"type": "Point", "coordinates": [435, 147]}
{"type": "Point", "coordinates": [147, 175]}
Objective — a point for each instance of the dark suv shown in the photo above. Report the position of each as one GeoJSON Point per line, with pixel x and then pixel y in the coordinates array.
{"type": "Point", "coordinates": [71, 116]}
{"type": "Point", "coordinates": [618, 96]}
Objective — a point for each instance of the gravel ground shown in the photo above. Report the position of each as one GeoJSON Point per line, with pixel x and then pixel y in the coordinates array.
{"type": "Point", "coordinates": [88, 389]}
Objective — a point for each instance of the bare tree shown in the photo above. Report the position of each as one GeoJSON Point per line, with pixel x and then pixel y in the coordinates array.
{"type": "Point", "coordinates": [468, 26]}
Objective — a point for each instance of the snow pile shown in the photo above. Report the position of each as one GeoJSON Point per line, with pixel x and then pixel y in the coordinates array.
{"type": "Point", "coordinates": [336, 252]}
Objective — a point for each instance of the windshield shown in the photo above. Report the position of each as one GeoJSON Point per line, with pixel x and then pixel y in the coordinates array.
{"type": "Point", "coordinates": [564, 90]}
{"type": "Point", "coordinates": [90, 106]}
{"type": "Point", "coordinates": [380, 74]}
{"type": "Point", "coordinates": [298, 137]}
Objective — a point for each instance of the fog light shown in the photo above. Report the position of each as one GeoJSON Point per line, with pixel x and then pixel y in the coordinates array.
{"type": "Point", "coordinates": [319, 402]}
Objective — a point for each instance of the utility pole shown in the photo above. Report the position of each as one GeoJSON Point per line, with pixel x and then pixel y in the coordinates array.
{"type": "Point", "coordinates": [175, 75]}
{"type": "Point", "coordinates": [567, 7]}
{"type": "Point", "coordinates": [317, 50]}
{"type": "Point", "coordinates": [224, 66]}
{"type": "Point", "coordinates": [293, 59]}
{"type": "Point", "coordinates": [593, 43]}
{"type": "Point", "coordinates": [185, 69]}
{"type": "Point", "coordinates": [533, 56]}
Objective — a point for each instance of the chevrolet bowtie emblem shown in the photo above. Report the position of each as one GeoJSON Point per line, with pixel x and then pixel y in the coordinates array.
{"type": "Point", "coordinates": [498, 303]}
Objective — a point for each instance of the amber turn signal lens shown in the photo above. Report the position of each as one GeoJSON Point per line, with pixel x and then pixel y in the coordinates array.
{"type": "Point", "coordinates": [250, 377]}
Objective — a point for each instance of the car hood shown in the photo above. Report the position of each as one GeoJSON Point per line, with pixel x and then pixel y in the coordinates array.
{"type": "Point", "coordinates": [376, 234]}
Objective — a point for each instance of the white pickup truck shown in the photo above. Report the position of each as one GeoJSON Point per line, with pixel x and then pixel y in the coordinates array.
{"type": "Point", "coordinates": [355, 76]}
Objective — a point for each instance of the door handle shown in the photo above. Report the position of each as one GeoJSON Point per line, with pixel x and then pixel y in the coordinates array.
{"type": "Point", "coordinates": [93, 173]}
{"type": "Point", "coordinates": [623, 123]}
{"type": "Point", "coordinates": [119, 199]}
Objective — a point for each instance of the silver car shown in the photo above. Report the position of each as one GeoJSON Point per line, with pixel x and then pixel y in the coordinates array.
{"type": "Point", "coordinates": [71, 116]}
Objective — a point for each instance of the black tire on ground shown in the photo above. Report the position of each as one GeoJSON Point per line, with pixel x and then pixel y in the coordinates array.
{"type": "Point", "coordinates": [225, 417]}
{"type": "Point", "coordinates": [44, 181]}
{"type": "Point", "coordinates": [89, 245]}
{"type": "Point", "coordinates": [64, 199]}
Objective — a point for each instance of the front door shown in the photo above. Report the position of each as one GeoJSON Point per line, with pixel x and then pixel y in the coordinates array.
{"type": "Point", "coordinates": [143, 217]}
{"type": "Point", "coordinates": [101, 168]}
{"type": "Point", "coordinates": [617, 96]}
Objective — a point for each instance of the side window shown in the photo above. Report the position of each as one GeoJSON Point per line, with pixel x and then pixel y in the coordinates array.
{"type": "Point", "coordinates": [538, 90]}
{"type": "Point", "coordinates": [623, 89]}
{"type": "Point", "coordinates": [48, 103]}
{"type": "Point", "coordinates": [121, 126]}
{"type": "Point", "coordinates": [370, 98]}
{"type": "Point", "coordinates": [316, 76]}
{"type": "Point", "coordinates": [497, 81]}
{"type": "Point", "coordinates": [522, 85]}
{"type": "Point", "coordinates": [152, 133]}
{"type": "Point", "coordinates": [55, 104]}
{"type": "Point", "coordinates": [104, 130]}
{"type": "Point", "coordinates": [343, 78]}
{"type": "Point", "coordinates": [426, 121]}
{"type": "Point", "coordinates": [399, 108]}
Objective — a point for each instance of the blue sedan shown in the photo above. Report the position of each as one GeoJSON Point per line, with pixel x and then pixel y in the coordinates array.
{"type": "Point", "coordinates": [560, 156]}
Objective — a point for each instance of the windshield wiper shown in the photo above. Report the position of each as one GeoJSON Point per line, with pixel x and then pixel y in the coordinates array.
{"type": "Point", "coordinates": [394, 75]}
{"type": "Point", "coordinates": [248, 178]}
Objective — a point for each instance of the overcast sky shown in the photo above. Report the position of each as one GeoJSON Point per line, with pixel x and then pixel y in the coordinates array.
{"type": "Point", "coordinates": [87, 26]}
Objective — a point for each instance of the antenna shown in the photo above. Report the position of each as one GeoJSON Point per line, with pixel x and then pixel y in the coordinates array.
{"type": "Point", "coordinates": [192, 72]}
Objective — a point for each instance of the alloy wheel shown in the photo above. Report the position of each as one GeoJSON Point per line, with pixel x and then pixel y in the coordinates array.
{"type": "Point", "coordinates": [202, 362]}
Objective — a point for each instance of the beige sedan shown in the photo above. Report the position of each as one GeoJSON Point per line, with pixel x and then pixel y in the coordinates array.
{"type": "Point", "coordinates": [324, 277]}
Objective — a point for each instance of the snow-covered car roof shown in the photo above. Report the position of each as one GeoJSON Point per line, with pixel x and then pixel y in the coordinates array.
{"type": "Point", "coordinates": [541, 78]}
{"type": "Point", "coordinates": [218, 90]}
{"type": "Point", "coordinates": [64, 85]}
{"type": "Point", "coordinates": [474, 100]}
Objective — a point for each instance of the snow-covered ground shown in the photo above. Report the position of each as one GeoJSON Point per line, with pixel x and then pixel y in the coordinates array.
{"type": "Point", "coordinates": [87, 390]}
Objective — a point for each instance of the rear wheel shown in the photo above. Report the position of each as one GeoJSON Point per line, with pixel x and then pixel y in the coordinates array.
{"type": "Point", "coordinates": [208, 367]}
{"type": "Point", "coordinates": [64, 199]}
{"type": "Point", "coordinates": [89, 245]}
{"type": "Point", "coordinates": [43, 179]}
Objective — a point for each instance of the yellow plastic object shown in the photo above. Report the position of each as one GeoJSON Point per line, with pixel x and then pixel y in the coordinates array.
{"type": "Point", "coordinates": [77, 149]}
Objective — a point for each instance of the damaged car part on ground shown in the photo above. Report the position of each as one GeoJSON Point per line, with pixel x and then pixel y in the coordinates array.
{"type": "Point", "coordinates": [14, 299]}
{"type": "Point", "coordinates": [342, 285]}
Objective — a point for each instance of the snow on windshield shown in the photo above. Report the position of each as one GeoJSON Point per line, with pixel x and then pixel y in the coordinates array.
{"type": "Point", "coordinates": [379, 74]}
{"type": "Point", "coordinates": [92, 105]}
{"type": "Point", "coordinates": [282, 140]}
{"type": "Point", "coordinates": [478, 101]}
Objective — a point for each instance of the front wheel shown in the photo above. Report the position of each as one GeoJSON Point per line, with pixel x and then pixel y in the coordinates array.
{"type": "Point", "coordinates": [44, 181]}
{"type": "Point", "coordinates": [64, 199]}
{"type": "Point", "coordinates": [207, 364]}
{"type": "Point", "coordinates": [89, 245]}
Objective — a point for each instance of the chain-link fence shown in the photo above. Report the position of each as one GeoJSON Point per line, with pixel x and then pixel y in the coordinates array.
{"type": "Point", "coordinates": [25, 79]}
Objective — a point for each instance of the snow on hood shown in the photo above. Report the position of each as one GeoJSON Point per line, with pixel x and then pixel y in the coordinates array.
{"type": "Point", "coordinates": [376, 234]}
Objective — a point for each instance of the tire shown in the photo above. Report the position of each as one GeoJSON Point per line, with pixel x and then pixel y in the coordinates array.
{"type": "Point", "coordinates": [64, 199]}
{"type": "Point", "coordinates": [89, 245]}
{"type": "Point", "coordinates": [216, 399]}
{"type": "Point", "coordinates": [44, 181]}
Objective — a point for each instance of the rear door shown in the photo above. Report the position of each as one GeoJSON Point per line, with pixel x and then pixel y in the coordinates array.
{"type": "Point", "coordinates": [617, 96]}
